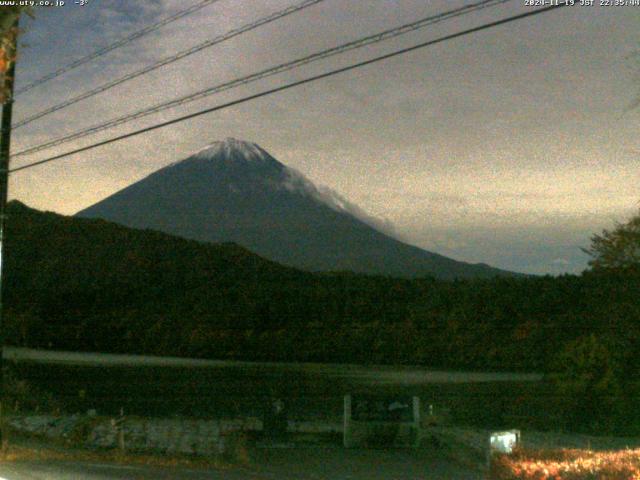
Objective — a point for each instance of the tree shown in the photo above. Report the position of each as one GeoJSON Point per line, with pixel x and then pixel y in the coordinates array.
{"type": "Point", "coordinates": [617, 249]}
{"type": "Point", "coordinates": [7, 17]}
{"type": "Point", "coordinates": [8, 35]}
{"type": "Point", "coordinates": [586, 382]}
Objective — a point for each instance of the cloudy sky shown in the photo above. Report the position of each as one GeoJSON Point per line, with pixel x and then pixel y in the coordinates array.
{"type": "Point", "coordinates": [510, 146]}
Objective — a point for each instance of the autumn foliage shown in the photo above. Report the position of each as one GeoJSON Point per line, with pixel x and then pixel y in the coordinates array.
{"type": "Point", "coordinates": [8, 35]}
{"type": "Point", "coordinates": [567, 464]}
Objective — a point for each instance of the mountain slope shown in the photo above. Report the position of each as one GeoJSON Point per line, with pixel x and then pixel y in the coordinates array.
{"type": "Point", "coordinates": [235, 191]}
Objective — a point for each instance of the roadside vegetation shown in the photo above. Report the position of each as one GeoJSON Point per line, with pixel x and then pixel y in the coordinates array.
{"type": "Point", "coordinates": [20, 396]}
{"type": "Point", "coordinates": [567, 464]}
{"type": "Point", "coordinates": [90, 285]}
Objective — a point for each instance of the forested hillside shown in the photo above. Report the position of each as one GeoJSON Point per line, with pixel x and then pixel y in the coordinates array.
{"type": "Point", "coordinates": [92, 285]}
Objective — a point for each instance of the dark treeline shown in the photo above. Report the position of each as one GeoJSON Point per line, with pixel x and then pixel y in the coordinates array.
{"type": "Point", "coordinates": [90, 285]}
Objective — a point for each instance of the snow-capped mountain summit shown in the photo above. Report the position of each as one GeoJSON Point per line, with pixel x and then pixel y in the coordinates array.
{"type": "Point", "coordinates": [232, 148]}
{"type": "Point", "coordinates": [235, 191]}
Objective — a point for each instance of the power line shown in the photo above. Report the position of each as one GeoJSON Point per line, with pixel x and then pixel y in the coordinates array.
{"type": "Point", "coordinates": [281, 88]}
{"type": "Point", "coordinates": [119, 43]}
{"type": "Point", "coordinates": [168, 60]}
{"type": "Point", "coordinates": [362, 42]}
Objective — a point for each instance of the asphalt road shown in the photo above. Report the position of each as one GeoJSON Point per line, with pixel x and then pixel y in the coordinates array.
{"type": "Point", "coordinates": [98, 471]}
{"type": "Point", "coordinates": [278, 464]}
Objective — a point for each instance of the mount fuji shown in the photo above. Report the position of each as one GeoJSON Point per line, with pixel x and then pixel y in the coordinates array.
{"type": "Point", "coordinates": [234, 191]}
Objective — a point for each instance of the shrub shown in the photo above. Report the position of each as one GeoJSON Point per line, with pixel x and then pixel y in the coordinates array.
{"type": "Point", "coordinates": [20, 395]}
{"type": "Point", "coordinates": [566, 464]}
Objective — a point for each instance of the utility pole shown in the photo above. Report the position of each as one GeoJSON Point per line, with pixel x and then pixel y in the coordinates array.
{"type": "Point", "coordinates": [5, 148]}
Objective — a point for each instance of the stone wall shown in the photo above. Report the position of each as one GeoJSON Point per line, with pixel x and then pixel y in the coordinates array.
{"type": "Point", "coordinates": [158, 435]}
{"type": "Point", "coordinates": [172, 436]}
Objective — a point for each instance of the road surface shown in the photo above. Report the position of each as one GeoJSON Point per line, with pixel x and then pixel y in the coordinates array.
{"type": "Point", "coordinates": [59, 470]}
{"type": "Point", "coordinates": [278, 464]}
